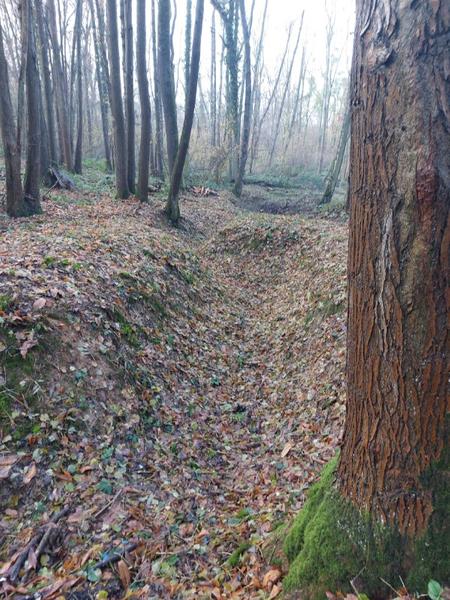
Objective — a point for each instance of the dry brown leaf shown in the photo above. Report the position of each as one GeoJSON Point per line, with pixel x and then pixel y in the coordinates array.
{"type": "Point", "coordinates": [275, 591]}
{"type": "Point", "coordinates": [39, 303]}
{"type": "Point", "coordinates": [30, 473]}
{"type": "Point", "coordinates": [286, 450]}
{"type": "Point", "coordinates": [29, 343]}
{"type": "Point", "coordinates": [124, 573]}
{"type": "Point", "coordinates": [271, 577]}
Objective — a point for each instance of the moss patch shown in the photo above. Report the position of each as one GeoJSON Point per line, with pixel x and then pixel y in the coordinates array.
{"type": "Point", "coordinates": [332, 543]}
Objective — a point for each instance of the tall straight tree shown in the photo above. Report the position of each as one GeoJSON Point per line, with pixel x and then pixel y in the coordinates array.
{"type": "Point", "coordinates": [120, 142]}
{"type": "Point", "coordinates": [395, 456]}
{"type": "Point", "coordinates": [102, 75]}
{"type": "Point", "coordinates": [245, 138]}
{"type": "Point", "coordinates": [145, 150]}
{"type": "Point", "coordinates": [33, 97]}
{"type": "Point", "coordinates": [77, 166]}
{"type": "Point", "coordinates": [158, 160]}
{"type": "Point", "coordinates": [172, 206]}
{"type": "Point", "coordinates": [60, 88]}
{"type": "Point", "coordinates": [48, 91]}
{"type": "Point", "coordinates": [15, 202]}
{"type": "Point", "coordinates": [166, 78]}
{"type": "Point", "coordinates": [129, 95]}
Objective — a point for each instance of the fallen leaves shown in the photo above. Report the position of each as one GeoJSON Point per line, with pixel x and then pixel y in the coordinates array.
{"type": "Point", "coordinates": [199, 373]}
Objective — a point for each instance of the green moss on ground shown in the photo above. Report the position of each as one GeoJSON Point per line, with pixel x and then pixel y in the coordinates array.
{"type": "Point", "coordinates": [332, 543]}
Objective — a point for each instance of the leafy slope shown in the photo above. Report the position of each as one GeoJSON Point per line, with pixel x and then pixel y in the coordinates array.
{"type": "Point", "coordinates": [178, 391]}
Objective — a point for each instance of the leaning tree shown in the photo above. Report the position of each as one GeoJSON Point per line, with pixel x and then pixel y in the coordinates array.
{"type": "Point", "coordinates": [382, 509]}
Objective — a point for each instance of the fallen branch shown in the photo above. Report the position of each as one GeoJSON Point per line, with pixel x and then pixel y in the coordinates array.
{"type": "Point", "coordinates": [116, 556]}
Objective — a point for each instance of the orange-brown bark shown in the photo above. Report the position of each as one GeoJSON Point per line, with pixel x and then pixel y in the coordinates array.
{"type": "Point", "coordinates": [397, 363]}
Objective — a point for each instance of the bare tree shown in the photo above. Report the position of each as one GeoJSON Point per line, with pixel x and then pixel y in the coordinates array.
{"type": "Point", "coordinates": [146, 115]}
{"type": "Point", "coordinates": [33, 97]}
{"type": "Point", "coordinates": [172, 206]}
{"type": "Point", "coordinates": [129, 95]}
{"type": "Point", "coordinates": [77, 163]}
{"type": "Point", "coordinates": [15, 203]}
{"type": "Point", "coordinates": [247, 103]}
{"type": "Point", "coordinates": [120, 142]}
{"type": "Point", "coordinates": [166, 78]}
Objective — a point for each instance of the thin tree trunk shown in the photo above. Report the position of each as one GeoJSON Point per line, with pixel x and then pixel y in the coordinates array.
{"type": "Point", "coordinates": [336, 166]}
{"type": "Point", "coordinates": [77, 164]}
{"type": "Point", "coordinates": [213, 86]}
{"type": "Point", "coordinates": [172, 206]}
{"type": "Point", "coordinates": [102, 72]}
{"type": "Point", "coordinates": [247, 103]}
{"type": "Point", "coordinates": [166, 78]}
{"type": "Point", "coordinates": [285, 91]}
{"type": "Point", "coordinates": [48, 92]}
{"type": "Point", "coordinates": [15, 204]}
{"type": "Point", "coordinates": [33, 160]}
{"type": "Point", "coordinates": [145, 150]}
{"type": "Point", "coordinates": [129, 96]}
{"type": "Point", "coordinates": [159, 164]}
{"type": "Point", "coordinates": [187, 48]}
{"type": "Point", "coordinates": [120, 142]}
{"type": "Point", "coordinates": [60, 89]}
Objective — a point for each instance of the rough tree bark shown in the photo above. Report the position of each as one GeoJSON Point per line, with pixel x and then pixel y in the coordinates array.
{"type": "Point", "coordinates": [384, 515]}
{"type": "Point", "coordinates": [166, 78]}
{"type": "Point", "coordinates": [15, 204]}
{"type": "Point", "coordinates": [146, 116]}
{"type": "Point", "coordinates": [172, 206]}
{"type": "Point", "coordinates": [398, 259]}
{"type": "Point", "coordinates": [247, 103]}
{"type": "Point", "coordinates": [120, 142]}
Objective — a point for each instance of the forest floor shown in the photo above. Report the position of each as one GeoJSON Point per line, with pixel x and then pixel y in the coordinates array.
{"type": "Point", "coordinates": [175, 391]}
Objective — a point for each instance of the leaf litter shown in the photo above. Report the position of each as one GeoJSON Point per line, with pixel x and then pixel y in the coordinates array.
{"type": "Point", "coordinates": [172, 394]}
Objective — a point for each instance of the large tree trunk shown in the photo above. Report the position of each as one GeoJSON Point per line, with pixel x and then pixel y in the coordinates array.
{"type": "Point", "coordinates": [33, 96]}
{"type": "Point", "coordinates": [15, 205]}
{"type": "Point", "coordinates": [120, 142]}
{"type": "Point", "coordinates": [146, 115]}
{"type": "Point", "coordinates": [166, 78]}
{"type": "Point", "coordinates": [172, 207]}
{"type": "Point", "coordinates": [398, 359]}
{"type": "Point", "coordinates": [382, 514]}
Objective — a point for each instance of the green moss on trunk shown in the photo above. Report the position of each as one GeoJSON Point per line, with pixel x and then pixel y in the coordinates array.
{"type": "Point", "coordinates": [332, 543]}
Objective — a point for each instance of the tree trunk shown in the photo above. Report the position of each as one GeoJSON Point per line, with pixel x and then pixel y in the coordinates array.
{"type": "Point", "coordinates": [60, 89]}
{"type": "Point", "coordinates": [33, 96]}
{"type": "Point", "coordinates": [159, 166]}
{"type": "Point", "coordinates": [120, 142]}
{"type": "Point", "coordinates": [172, 206]}
{"type": "Point", "coordinates": [247, 103]}
{"type": "Point", "coordinates": [102, 72]}
{"type": "Point", "coordinates": [77, 166]}
{"type": "Point", "coordinates": [129, 96]}
{"type": "Point", "coordinates": [166, 78]}
{"type": "Point", "coordinates": [336, 166]}
{"type": "Point", "coordinates": [15, 204]}
{"type": "Point", "coordinates": [48, 92]}
{"type": "Point", "coordinates": [382, 514]}
{"type": "Point", "coordinates": [146, 115]}
{"type": "Point", "coordinates": [398, 359]}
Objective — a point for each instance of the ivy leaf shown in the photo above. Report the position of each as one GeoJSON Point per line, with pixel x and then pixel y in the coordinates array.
{"type": "Point", "coordinates": [434, 590]}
